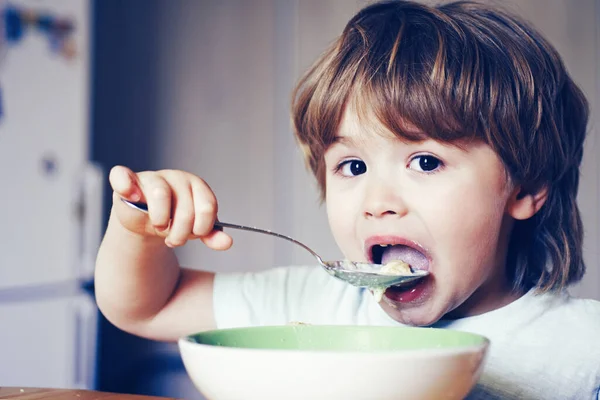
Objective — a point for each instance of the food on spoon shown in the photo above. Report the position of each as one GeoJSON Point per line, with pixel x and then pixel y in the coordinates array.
{"type": "Point", "coordinates": [378, 293]}
{"type": "Point", "coordinates": [396, 267]}
{"type": "Point", "coordinates": [391, 268]}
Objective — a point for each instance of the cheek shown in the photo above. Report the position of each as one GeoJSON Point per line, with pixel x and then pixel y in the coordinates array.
{"type": "Point", "coordinates": [470, 232]}
{"type": "Point", "coordinates": [341, 213]}
{"type": "Point", "coordinates": [337, 213]}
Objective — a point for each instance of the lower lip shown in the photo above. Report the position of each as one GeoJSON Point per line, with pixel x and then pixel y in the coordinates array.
{"type": "Point", "coordinates": [408, 295]}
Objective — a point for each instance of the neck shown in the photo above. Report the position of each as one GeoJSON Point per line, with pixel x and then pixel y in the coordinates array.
{"type": "Point", "coordinates": [486, 298]}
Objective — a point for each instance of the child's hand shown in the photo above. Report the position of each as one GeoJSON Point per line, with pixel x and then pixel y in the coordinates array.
{"type": "Point", "coordinates": [181, 206]}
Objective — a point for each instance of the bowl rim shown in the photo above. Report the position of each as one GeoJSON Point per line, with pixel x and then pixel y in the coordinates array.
{"type": "Point", "coordinates": [189, 341]}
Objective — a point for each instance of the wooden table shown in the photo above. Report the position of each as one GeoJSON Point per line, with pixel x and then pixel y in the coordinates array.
{"type": "Point", "coordinates": [24, 393]}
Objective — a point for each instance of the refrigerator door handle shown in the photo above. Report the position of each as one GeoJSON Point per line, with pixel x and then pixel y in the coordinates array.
{"type": "Point", "coordinates": [88, 210]}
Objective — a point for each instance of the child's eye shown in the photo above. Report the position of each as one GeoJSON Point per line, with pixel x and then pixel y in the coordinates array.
{"type": "Point", "coordinates": [352, 167]}
{"type": "Point", "coordinates": [425, 163]}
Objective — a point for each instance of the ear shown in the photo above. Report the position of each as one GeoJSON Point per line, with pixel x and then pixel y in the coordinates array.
{"type": "Point", "coordinates": [523, 204]}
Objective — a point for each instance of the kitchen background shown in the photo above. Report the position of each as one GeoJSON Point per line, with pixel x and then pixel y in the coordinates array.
{"type": "Point", "coordinates": [202, 86]}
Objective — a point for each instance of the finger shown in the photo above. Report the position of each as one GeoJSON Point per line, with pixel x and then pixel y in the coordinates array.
{"type": "Point", "coordinates": [157, 193]}
{"type": "Point", "coordinates": [205, 207]}
{"type": "Point", "coordinates": [125, 183]}
{"type": "Point", "coordinates": [217, 240]}
{"type": "Point", "coordinates": [182, 221]}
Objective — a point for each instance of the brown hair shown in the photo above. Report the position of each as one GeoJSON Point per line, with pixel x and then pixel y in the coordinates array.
{"type": "Point", "coordinates": [463, 71]}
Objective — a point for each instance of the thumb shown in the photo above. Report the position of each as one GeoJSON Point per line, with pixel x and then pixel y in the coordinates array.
{"type": "Point", "coordinates": [125, 183]}
{"type": "Point", "coordinates": [217, 240]}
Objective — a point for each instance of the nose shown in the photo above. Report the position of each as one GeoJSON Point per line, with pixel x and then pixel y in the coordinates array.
{"type": "Point", "coordinates": [384, 199]}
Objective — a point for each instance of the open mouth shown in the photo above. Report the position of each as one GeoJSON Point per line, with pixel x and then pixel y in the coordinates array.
{"type": "Point", "coordinates": [384, 253]}
{"type": "Point", "coordinates": [406, 293]}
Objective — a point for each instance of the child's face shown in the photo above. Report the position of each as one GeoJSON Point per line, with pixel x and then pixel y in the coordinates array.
{"type": "Point", "coordinates": [445, 204]}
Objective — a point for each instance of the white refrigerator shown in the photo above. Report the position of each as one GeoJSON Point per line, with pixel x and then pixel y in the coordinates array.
{"type": "Point", "coordinates": [50, 198]}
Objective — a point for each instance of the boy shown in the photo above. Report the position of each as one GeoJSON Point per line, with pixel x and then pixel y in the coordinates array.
{"type": "Point", "coordinates": [449, 137]}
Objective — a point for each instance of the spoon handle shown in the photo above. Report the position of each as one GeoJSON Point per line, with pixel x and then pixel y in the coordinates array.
{"type": "Point", "coordinates": [144, 208]}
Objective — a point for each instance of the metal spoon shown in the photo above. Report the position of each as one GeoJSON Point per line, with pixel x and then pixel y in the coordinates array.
{"type": "Point", "coordinates": [355, 273]}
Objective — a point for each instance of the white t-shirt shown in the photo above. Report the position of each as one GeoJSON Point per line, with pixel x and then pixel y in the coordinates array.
{"type": "Point", "coordinates": [543, 346]}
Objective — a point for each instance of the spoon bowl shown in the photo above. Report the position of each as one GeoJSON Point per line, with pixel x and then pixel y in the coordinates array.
{"type": "Point", "coordinates": [368, 275]}
{"type": "Point", "coordinates": [355, 273]}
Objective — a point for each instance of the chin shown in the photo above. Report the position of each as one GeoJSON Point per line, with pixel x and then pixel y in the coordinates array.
{"type": "Point", "coordinates": [410, 317]}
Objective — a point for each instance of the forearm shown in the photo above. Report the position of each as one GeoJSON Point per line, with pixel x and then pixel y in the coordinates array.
{"type": "Point", "coordinates": [135, 275]}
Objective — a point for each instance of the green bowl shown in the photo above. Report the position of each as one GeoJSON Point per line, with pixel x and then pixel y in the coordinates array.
{"type": "Point", "coordinates": [333, 362]}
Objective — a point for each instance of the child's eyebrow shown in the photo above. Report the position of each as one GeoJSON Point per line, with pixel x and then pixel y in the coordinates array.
{"type": "Point", "coordinates": [350, 141]}
{"type": "Point", "coordinates": [345, 140]}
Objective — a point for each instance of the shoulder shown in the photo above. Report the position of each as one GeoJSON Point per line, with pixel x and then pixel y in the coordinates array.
{"type": "Point", "coordinates": [283, 279]}
{"type": "Point", "coordinates": [280, 295]}
{"type": "Point", "coordinates": [310, 286]}
{"type": "Point", "coordinates": [567, 327]}
{"type": "Point", "coordinates": [580, 317]}
{"type": "Point", "coordinates": [552, 323]}
{"type": "Point", "coordinates": [545, 346]}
